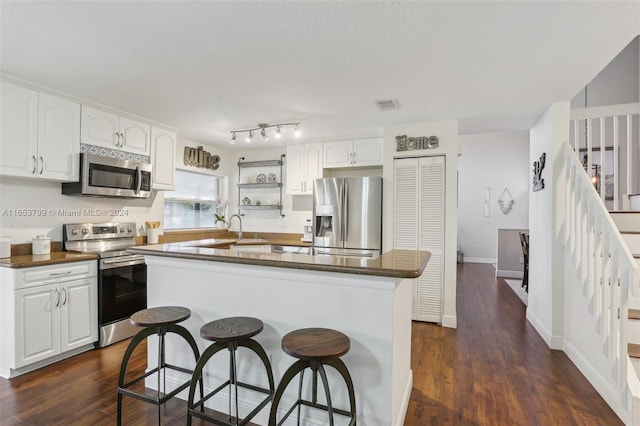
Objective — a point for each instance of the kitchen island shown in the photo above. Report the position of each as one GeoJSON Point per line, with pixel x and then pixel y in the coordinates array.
{"type": "Point", "coordinates": [368, 299]}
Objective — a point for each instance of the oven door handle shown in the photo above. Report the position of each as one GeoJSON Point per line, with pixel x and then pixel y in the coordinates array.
{"type": "Point", "coordinates": [134, 259]}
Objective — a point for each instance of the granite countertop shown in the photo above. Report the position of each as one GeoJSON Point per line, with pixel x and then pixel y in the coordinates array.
{"type": "Point", "coordinates": [29, 260]}
{"type": "Point", "coordinates": [394, 263]}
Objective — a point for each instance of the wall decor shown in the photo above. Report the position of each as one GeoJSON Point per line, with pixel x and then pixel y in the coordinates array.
{"type": "Point", "coordinates": [403, 143]}
{"type": "Point", "coordinates": [505, 201]}
{"type": "Point", "coordinates": [487, 200]}
{"type": "Point", "coordinates": [538, 182]}
{"type": "Point", "coordinates": [198, 157]}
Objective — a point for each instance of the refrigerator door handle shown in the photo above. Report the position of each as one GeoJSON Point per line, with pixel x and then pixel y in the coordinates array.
{"type": "Point", "coordinates": [346, 213]}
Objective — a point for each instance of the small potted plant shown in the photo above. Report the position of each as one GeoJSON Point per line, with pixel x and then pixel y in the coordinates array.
{"type": "Point", "coordinates": [220, 222]}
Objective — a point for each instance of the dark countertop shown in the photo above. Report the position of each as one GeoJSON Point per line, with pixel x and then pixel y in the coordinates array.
{"type": "Point", "coordinates": [394, 263]}
{"type": "Point", "coordinates": [56, 257]}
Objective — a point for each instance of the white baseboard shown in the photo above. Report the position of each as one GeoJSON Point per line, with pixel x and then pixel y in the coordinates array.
{"type": "Point", "coordinates": [509, 274]}
{"type": "Point", "coordinates": [596, 380]}
{"type": "Point", "coordinates": [404, 404]}
{"type": "Point", "coordinates": [539, 327]}
{"type": "Point", "coordinates": [479, 260]}
{"type": "Point", "coordinates": [449, 321]}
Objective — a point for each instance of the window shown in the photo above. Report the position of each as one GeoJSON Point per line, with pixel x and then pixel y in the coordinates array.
{"type": "Point", "coordinates": [194, 202]}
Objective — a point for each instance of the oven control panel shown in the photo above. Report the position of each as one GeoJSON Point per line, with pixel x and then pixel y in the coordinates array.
{"type": "Point", "coordinates": [99, 231]}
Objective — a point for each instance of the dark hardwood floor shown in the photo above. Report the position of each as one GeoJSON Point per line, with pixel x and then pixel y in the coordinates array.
{"type": "Point", "coordinates": [493, 369]}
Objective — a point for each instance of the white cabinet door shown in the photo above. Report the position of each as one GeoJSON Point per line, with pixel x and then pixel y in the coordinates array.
{"type": "Point", "coordinates": [100, 128]}
{"type": "Point", "coordinates": [78, 314]}
{"type": "Point", "coordinates": [304, 164]}
{"type": "Point", "coordinates": [58, 139]}
{"type": "Point", "coordinates": [163, 157]}
{"type": "Point", "coordinates": [419, 200]}
{"type": "Point", "coordinates": [338, 154]}
{"type": "Point", "coordinates": [295, 169]}
{"type": "Point", "coordinates": [313, 162]}
{"type": "Point", "coordinates": [368, 152]}
{"type": "Point", "coordinates": [19, 131]}
{"type": "Point", "coordinates": [37, 324]}
{"type": "Point", "coordinates": [136, 136]}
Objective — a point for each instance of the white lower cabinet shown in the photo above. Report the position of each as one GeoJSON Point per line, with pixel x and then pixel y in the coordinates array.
{"type": "Point", "coordinates": [49, 313]}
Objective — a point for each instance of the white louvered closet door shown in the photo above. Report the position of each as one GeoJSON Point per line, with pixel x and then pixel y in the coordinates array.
{"type": "Point", "coordinates": [405, 235]}
{"type": "Point", "coordinates": [419, 217]}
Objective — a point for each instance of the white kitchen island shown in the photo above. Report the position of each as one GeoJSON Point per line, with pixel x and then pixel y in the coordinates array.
{"type": "Point", "coordinates": [367, 299]}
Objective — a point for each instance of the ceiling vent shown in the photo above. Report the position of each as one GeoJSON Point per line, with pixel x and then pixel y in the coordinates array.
{"type": "Point", "coordinates": [387, 104]}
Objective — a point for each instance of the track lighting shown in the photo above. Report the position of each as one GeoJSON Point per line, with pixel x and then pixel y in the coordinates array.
{"type": "Point", "coordinates": [263, 131]}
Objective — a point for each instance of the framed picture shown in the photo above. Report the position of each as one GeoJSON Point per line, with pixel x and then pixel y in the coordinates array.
{"type": "Point", "coordinates": [600, 170]}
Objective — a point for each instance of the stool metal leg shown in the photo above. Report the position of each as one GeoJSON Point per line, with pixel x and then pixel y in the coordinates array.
{"type": "Point", "coordinates": [340, 366]}
{"type": "Point", "coordinates": [323, 375]}
{"type": "Point", "coordinates": [291, 372]}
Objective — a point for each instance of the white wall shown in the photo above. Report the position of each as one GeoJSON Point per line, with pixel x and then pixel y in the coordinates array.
{"type": "Point", "coordinates": [617, 83]}
{"type": "Point", "coordinates": [447, 133]}
{"type": "Point", "coordinates": [546, 253]}
{"type": "Point", "coordinates": [58, 209]}
{"type": "Point", "coordinates": [495, 161]}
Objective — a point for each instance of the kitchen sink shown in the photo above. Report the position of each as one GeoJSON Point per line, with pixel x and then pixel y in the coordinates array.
{"type": "Point", "coordinates": [290, 249]}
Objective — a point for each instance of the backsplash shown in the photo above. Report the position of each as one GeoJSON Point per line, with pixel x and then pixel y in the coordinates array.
{"type": "Point", "coordinates": [114, 153]}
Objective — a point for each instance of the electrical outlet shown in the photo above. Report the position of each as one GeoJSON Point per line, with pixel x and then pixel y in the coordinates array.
{"type": "Point", "coordinates": [521, 259]}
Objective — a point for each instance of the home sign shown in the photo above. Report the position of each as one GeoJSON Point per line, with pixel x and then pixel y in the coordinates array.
{"type": "Point", "coordinates": [198, 157]}
{"type": "Point", "coordinates": [403, 143]}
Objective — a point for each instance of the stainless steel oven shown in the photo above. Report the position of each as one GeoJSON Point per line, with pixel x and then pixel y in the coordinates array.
{"type": "Point", "coordinates": [122, 277]}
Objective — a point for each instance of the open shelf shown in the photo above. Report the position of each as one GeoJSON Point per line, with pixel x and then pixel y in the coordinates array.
{"type": "Point", "coordinates": [277, 185]}
{"type": "Point", "coordinates": [260, 185]}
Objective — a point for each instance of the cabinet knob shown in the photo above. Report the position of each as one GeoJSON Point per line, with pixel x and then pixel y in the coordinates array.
{"type": "Point", "coordinates": [84, 231]}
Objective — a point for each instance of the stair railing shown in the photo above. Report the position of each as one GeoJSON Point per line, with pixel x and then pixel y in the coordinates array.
{"type": "Point", "coordinates": [608, 143]}
{"type": "Point", "coordinates": [605, 267]}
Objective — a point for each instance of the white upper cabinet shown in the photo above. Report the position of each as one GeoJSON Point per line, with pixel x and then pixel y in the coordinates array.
{"type": "Point", "coordinates": [304, 164]}
{"type": "Point", "coordinates": [109, 130]}
{"type": "Point", "coordinates": [58, 138]}
{"type": "Point", "coordinates": [356, 153]}
{"type": "Point", "coordinates": [163, 156]}
{"type": "Point", "coordinates": [40, 136]}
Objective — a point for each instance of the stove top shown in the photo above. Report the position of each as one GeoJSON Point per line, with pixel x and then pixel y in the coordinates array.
{"type": "Point", "coordinates": [105, 239]}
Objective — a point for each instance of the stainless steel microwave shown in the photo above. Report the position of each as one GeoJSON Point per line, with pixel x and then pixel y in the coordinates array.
{"type": "Point", "coordinates": [110, 177]}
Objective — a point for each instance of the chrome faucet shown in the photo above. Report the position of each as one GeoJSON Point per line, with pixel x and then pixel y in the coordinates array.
{"type": "Point", "coordinates": [239, 221]}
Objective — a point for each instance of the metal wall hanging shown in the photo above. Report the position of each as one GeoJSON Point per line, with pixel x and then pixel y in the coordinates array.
{"type": "Point", "coordinates": [538, 182]}
{"type": "Point", "coordinates": [505, 201]}
{"type": "Point", "coordinates": [487, 200]}
{"type": "Point", "coordinates": [403, 143]}
{"type": "Point", "coordinates": [198, 157]}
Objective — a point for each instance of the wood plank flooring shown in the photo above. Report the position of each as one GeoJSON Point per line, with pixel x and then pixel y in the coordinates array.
{"type": "Point", "coordinates": [493, 369]}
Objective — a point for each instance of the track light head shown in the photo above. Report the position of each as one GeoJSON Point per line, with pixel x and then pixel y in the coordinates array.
{"type": "Point", "coordinates": [296, 131]}
{"type": "Point", "coordinates": [249, 137]}
{"type": "Point", "coordinates": [232, 141]}
{"type": "Point", "coordinates": [278, 133]}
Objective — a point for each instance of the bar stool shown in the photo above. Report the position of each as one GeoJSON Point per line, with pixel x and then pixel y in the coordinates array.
{"type": "Point", "coordinates": [229, 333]}
{"type": "Point", "coordinates": [315, 348]}
{"type": "Point", "coordinates": [160, 321]}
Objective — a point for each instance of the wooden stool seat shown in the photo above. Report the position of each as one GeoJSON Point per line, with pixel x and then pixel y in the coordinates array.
{"type": "Point", "coordinates": [228, 329]}
{"type": "Point", "coordinates": [315, 343]}
{"type": "Point", "coordinates": [162, 315]}
{"type": "Point", "coordinates": [315, 348]}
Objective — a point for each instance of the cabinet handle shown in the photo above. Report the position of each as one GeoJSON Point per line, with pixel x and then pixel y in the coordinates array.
{"type": "Point", "coordinates": [60, 273]}
{"type": "Point", "coordinates": [355, 158]}
{"type": "Point", "coordinates": [41, 164]}
{"type": "Point", "coordinates": [301, 186]}
{"type": "Point", "coordinates": [121, 139]}
{"type": "Point", "coordinates": [57, 298]}
{"type": "Point", "coordinates": [64, 290]}
{"type": "Point", "coordinates": [351, 158]}
{"type": "Point", "coordinates": [35, 164]}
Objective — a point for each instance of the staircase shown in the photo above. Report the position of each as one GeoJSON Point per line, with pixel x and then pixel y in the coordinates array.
{"type": "Point", "coordinates": [628, 223]}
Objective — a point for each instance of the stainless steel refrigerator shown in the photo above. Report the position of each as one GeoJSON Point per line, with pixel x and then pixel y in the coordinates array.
{"type": "Point", "coordinates": [347, 216]}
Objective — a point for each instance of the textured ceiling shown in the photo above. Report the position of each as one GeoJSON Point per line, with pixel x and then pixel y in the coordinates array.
{"type": "Point", "coordinates": [210, 67]}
